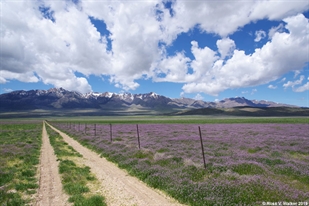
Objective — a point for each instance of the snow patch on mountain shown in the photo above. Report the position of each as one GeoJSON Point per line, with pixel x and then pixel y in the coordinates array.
{"type": "Point", "coordinates": [61, 98]}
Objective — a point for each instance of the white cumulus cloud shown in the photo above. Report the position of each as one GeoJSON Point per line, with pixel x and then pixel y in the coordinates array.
{"type": "Point", "coordinates": [272, 86]}
{"type": "Point", "coordinates": [294, 84]}
{"type": "Point", "coordinates": [302, 88]}
{"type": "Point", "coordinates": [174, 68]}
{"type": "Point", "coordinates": [7, 90]}
{"type": "Point", "coordinates": [226, 47]}
{"type": "Point", "coordinates": [198, 97]}
{"type": "Point", "coordinates": [52, 46]}
{"type": "Point", "coordinates": [285, 52]}
{"type": "Point", "coordinates": [259, 35]}
{"type": "Point", "coordinates": [274, 30]}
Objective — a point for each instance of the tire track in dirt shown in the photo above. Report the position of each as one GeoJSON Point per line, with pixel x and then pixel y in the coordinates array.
{"type": "Point", "coordinates": [118, 187]}
{"type": "Point", "coordinates": [50, 191]}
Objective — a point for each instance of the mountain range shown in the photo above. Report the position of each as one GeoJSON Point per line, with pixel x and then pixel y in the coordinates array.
{"type": "Point", "coordinates": [61, 99]}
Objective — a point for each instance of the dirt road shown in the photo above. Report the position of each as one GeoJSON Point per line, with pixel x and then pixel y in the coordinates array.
{"type": "Point", "coordinates": [116, 185]}
{"type": "Point", "coordinates": [50, 188]}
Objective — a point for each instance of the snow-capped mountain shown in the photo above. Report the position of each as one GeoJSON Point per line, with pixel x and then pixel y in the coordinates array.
{"type": "Point", "coordinates": [59, 98]}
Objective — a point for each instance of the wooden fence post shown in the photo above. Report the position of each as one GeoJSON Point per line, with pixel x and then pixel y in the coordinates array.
{"type": "Point", "coordinates": [139, 144]}
{"type": "Point", "coordinates": [199, 128]}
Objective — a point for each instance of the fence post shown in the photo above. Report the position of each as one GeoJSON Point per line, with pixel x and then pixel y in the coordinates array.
{"type": "Point", "coordinates": [111, 132]}
{"type": "Point", "coordinates": [139, 144]}
{"type": "Point", "coordinates": [199, 128]}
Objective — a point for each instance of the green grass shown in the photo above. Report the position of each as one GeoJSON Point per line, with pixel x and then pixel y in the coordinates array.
{"type": "Point", "coordinates": [162, 150]}
{"type": "Point", "coordinates": [195, 174]}
{"type": "Point", "coordinates": [82, 201]}
{"type": "Point", "coordinates": [20, 145]}
{"type": "Point", "coordinates": [247, 169]}
{"type": "Point", "coordinates": [74, 178]}
{"type": "Point", "coordinates": [61, 148]}
{"type": "Point", "coordinates": [254, 150]}
{"type": "Point", "coordinates": [271, 162]}
{"type": "Point", "coordinates": [183, 120]}
{"type": "Point", "coordinates": [143, 154]}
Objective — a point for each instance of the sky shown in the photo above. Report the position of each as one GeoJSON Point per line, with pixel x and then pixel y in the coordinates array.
{"type": "Point", "coordinates": [206, 50]}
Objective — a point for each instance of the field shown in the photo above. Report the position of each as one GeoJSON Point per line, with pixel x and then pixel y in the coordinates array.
{"type": "Point", "coordinates": [245, 163]}
{"type": "Point", "coordinates": [187, 119]}
{"type": "Point", "coordinates": [21, 178]}
{"type": "Point", "coordinates": [20, 144]}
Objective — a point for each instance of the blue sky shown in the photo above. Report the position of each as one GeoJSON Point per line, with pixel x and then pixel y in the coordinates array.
{"type": "Point", "coordinates": [207, 50]}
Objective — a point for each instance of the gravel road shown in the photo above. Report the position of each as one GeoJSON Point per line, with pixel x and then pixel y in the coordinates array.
{"type": "Point", "coordinates": [50, 191]}
{"type": "Point", "coordinates": [117, 186]}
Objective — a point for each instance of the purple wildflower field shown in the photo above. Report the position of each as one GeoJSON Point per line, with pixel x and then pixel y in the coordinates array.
{"type": "Point", "coordinates": [245, 163]}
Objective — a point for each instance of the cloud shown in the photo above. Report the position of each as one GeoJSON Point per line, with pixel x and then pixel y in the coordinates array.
{"type": "Point", "coordinates": [3, 80]}
{"type": "Point", "coordinates": [292, 84]}
{"type": "Point", "coordinates": [253, 91]}
{"type": "Point", "coordinates": [174, 68]}
{"type": "Point", "coordinates": [272, 86]}
{"type": "Point", "coordinates": [259, 35]}
{"type": "Point", "coordinates": [203, 62]}
{"type": "Point", "coordinates": [52, 50]}
{"type": "Point", "coordinates": [226, 47]}
{"type": "Point", "coordinates": [29, 77]}
{"type": "Point", "coordinates": [198, 97]}
{"type": "Point", "coordinates": [274, 30]}
{"type": "Point", "coordinates": [74, 83]}
{"type": "Point", "coordinates": [7, 90]}
{"type": "Point", "coordinates": [296, 73]}
{"type": "Point", "coordinates": [49, 41]}
{"type": "Point", "coordinates": [277, 10]}
{"type": "Point", "coordinates": [302, 88]}
{"type": "Point", "coordinates": [135, 34]}
{"type": "Point", "coordinates": [227, 18]}
{"type": "Point", "coordinates": [285, 52]}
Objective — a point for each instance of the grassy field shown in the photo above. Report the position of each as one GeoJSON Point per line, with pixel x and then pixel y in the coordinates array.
{"type": "Point", "coordinates": [193, 119]}
{"type": "Point", "coordinates": [248, 160]}
{"type": "Point", "coordinates": [246, 163]}
{"type": "Point", "coordinates": [20, 144]}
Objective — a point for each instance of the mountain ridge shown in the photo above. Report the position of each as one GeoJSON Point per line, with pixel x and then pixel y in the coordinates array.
{"type": "Point", "coordinates": [59, 98]}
